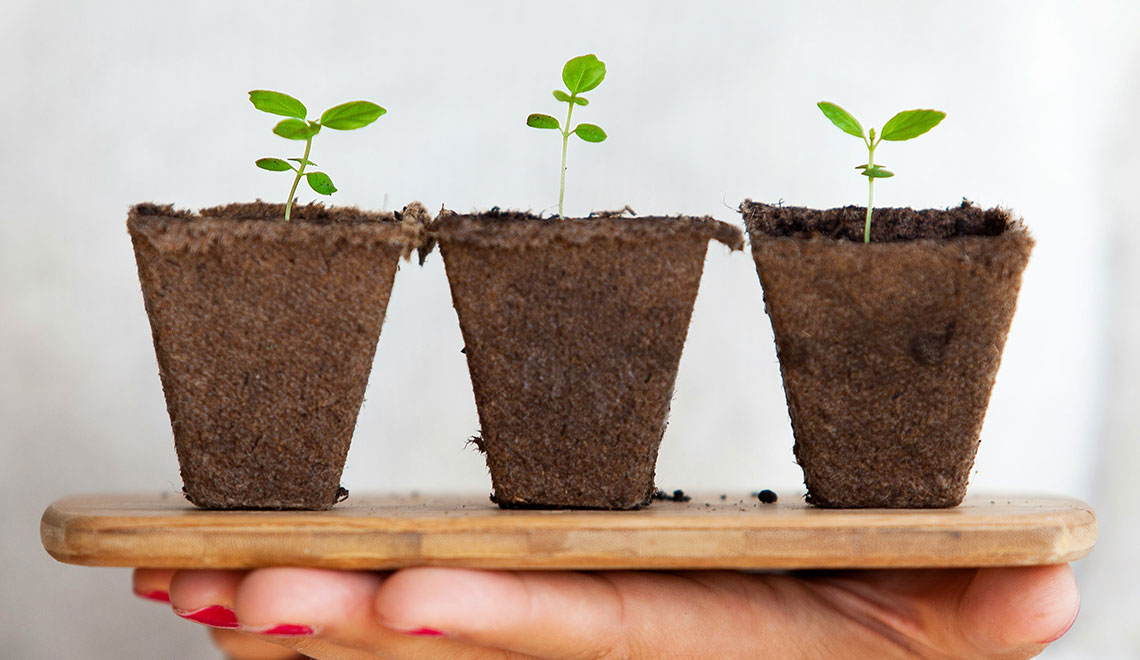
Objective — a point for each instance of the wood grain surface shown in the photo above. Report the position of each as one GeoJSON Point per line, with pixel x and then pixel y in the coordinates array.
{"type": "Point", "coordinates": [737, 532]}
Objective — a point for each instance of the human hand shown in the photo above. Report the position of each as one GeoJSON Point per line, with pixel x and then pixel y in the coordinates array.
{"type": "Point", "coordinates": [460, 614]}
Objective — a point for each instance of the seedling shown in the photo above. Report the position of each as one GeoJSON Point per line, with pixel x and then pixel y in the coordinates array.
{"type": "Point", "coordinates": [903, 126]}
{"type": "Point", "coordinates": [343, 117]}
{"type": "Point", "coordinates": [580, 75]}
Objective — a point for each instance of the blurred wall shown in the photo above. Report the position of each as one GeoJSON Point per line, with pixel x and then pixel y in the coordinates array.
{"type": "Point", "coordinates": [110, 103]}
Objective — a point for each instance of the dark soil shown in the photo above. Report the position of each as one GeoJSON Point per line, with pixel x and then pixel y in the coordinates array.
{"type": "Point", "coordinates": [887, 225]}
{"type": "Point", "coordinates": [573, 332]}
{"type": "Point", "coordinates": [888, 351]}
{"type": "Point", "coordinates": [676, 496]}
{"type": "Point", "coordinates": [265, 333]}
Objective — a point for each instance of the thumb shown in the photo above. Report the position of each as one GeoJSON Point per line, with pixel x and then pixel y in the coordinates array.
{"type": "Point", "coordinates": [1017, 611]}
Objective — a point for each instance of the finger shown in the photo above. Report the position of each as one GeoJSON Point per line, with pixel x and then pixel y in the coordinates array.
{"type": "Point", "coordinates": [206, 597]}
{"type": "Point", "coordinates": [316, 608]}
{"type": "Point", "coordinates": [152, 584]}
{"type": "Point", "coordinates": [1021, 609]}
{"type": "Point", "coordinates": [242, 646]}
{"type": "Point", "coordinates": [505, 610]}
{"type": "Point", "coordinates": [315, 648]}
{"type": "Point", "coordinates": [613, 614]}
{"type": "Point", "coordinates": [991, 613]}
{"type": "Point", "coordinates": [322, 614]}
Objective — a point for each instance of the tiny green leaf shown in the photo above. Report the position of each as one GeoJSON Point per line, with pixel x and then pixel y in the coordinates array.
{"type": "Point", "coordinates": [911, 124]}
{"type": "Point", "coordinates": [320, 183]}
{"type": "Point", "coordinates": [579, 74]}
{"type": "Point", "coordinates": [590, 132]}
{"type": "Point", "coordinates": [351, 115]}
{"type": "Point", "coordinates": [903, 126]}
{"type": "Point", "coordinates": [841, 118]}
{"type": "Point", "coordinates": [343, 117]}
{"type": "Point", "coordinates": [295, 129]}
{"type": "Point", "coordinates": [541, 121]}
{"type": "Point", "coordinates": [273, 164]}
{"type": "Point", "coordinates": [277, 103]}
{"type": "Point", "coordinates": [583, 73]}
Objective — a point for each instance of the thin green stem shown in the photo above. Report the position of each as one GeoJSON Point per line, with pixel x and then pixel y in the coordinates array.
{"type": "Point", "coordinates": [297, 179]}
{"type": "Point", "coordinates": [565, 140]}
{"type": "Point", "coordinates": [870, 187]}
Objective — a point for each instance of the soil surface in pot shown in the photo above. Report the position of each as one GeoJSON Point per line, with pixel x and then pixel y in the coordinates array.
{"type": "Point", "coordinates": [265, 333]}
{"type": "Point", "coordinates": [573, 331]}
{"type": "Point", "coordinates": [888, 350]}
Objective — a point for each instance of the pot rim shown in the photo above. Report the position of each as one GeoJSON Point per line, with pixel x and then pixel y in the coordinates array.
{"type": "Point", "coordinates": [521, 230]}
{"type": "Point", "coordinates": [1014, 228]}
{"type": "Point", "coordinates": [168, 228]}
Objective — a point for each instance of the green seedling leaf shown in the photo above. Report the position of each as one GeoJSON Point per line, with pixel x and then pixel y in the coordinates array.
{"type": "Point", "coordinates": [351, 115]}
{"type": "Point", "coordinates": [583, 73]}
{"type": "Point", "coordinates": [911, 124]}
{"type": "Point", "coordinates": [841, 118]}
{"type": "Point", "coordinates": [541, 121]}
{"type": "Point", "coordinates": [590, 132]}
{"type": "Point", "coordinates": [903, 126]}
{"type": "Point", "coordinates": [273, 164]}
{"type": "Point", "coordinates": [580, 74]}
{"type": "Point", "coordinates": [295, 129]}
{"type": "Point", "coordinates": [344, 117]}
{"type": "Point", "coordinates": [320, 183]}
{"type": "Point", "coordinates": [277, 103]}
{"type": "Point", "coordinates": [877, 172]}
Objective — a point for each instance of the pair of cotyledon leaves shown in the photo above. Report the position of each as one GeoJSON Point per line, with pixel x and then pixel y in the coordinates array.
{"type": "Point", "coordinates": [903, 126]}
{"type": "Point", "coordinates": [343, 117]}
{"type": "Point", "coordinates": [580, 75]}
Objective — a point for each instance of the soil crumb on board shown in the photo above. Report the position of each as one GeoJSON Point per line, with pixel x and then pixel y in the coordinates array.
{"type": "Point", "coordinates": [677, 496]}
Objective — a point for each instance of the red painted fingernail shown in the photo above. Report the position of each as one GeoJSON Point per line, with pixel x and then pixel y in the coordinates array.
{"type": "Point", "coordinates": [288, 630]}
{"type": "Point", "coordinates": [425, 632]}
{"type": "Point", "coordinates": [215, 616]}
{"type": "Point", "coordinates": [155, 594]}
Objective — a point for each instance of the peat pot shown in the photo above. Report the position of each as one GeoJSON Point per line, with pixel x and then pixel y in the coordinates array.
{"type": "Point", "coordinates": [265, 332]}
{"type": "Point", "coordinates": [573, 331]}
{"type": "Point", "coordinates": [888, 350]}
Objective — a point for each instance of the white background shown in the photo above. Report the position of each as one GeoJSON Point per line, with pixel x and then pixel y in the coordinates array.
{"type": "Point", "coordinates": [104, 104]}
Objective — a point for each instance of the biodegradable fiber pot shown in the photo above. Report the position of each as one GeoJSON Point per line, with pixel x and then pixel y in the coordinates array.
{"type": "Point", "coordinates": [265, 332]}
{"type": "Point", "coordinates": [888, 350]}
{"type": "Point", "coordinates": [573, 332]}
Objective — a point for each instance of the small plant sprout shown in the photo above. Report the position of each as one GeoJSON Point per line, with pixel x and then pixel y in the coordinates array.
{"type": "Point", "coordinates": [344, 117]}
{"type": "Point", "coordinates": [580, 75]}
{"type": "Point", "coordinates": [903, 126]}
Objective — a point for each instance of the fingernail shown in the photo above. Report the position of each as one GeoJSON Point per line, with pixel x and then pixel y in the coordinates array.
{"type": "Point", "coordinates": [425, 632]}
{"type": "Point", "coordinates": [288, 630]}
{"type": "Point", "coordinates": [215, 616]}
{"type": "Point", "coordinates": [155, 595]}
{"type": "Point", "coordinates": [1066, 629]}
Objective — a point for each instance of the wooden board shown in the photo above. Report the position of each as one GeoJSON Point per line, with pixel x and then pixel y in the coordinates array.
{"type": "Point", "coordinates": [381, 532]}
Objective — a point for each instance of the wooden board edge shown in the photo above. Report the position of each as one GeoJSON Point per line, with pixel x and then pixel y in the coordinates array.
{"type": "Point", "coordinates": [72, 540]}
{"type": "Point", "coordinates": [53, 537]}
{"type": "Point", "coordinates": [80, 539]}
